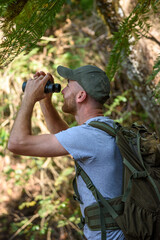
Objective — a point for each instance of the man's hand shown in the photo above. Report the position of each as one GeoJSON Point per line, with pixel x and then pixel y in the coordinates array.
{"type": "Point", "coordinates": [48, 96]}
{"type": "Point", "coordinates": [34, 90]}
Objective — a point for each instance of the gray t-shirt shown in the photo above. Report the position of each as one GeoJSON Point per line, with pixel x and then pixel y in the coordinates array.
{"type": "Point", "coordinates": [99, 156]}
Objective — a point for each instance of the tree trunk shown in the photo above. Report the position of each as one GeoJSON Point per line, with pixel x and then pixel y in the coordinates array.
{"type": "Point", "coordinates": [139, 64]}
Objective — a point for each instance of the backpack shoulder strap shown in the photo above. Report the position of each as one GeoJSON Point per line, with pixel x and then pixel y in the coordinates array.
{"type": "Point", "coordinates": [104, 126]}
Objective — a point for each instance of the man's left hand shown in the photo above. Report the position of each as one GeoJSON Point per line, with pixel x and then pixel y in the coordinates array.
{"type": "Point", "coordinates": [34, 90]}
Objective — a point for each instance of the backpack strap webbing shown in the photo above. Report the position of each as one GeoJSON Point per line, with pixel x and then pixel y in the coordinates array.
{"type": "Point", "coordinates": [107, 207]}
{"type": "Point", "coordinates": [105, 127]}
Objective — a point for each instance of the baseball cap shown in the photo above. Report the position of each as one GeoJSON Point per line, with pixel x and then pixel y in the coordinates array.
{"type": "Point", "coordinates": [93, 80]}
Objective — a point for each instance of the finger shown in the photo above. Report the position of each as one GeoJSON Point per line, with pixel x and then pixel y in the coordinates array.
{"type": "Point", "coordinates": [45, 78]}
{"type": "Point", "coordinates": [51, 77]}
{"type": "Point", "coordinates": [40, 77]}
{"type": "Point", "coordinates": [42, 73]}
{"type": "Point", "coordinates": [37, 74]}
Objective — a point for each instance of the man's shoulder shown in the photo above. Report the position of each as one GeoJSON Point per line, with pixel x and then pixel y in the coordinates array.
{"type": "Point", "coordinates": [71, 131]}
{"type": "Point", "coordinates": [100, 119]}
{"type": "Point", "coordinates": [85, 127]}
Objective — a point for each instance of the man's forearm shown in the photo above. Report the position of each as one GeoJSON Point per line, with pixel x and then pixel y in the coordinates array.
{"type": "Point", "coordinates": [22, 124]}
{"type": "Point", "coordinates": [54, 122]}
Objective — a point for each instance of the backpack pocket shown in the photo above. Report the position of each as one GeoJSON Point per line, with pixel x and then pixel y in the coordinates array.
{"type": "Point", "coordinates": [138, 223]}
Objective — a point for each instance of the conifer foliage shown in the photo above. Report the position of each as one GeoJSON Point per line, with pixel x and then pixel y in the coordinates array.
{"type": "Point", "coordinates": [23, 23]}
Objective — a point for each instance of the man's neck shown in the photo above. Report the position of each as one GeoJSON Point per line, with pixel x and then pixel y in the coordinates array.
{"type": "Point", "coordinates": [83, 117]}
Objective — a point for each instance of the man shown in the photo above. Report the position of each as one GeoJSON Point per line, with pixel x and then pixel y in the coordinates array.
{"type": "Point", "coordinates": [96, 152]}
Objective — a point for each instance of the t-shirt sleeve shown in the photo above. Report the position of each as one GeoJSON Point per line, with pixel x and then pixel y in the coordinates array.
{"type": "Point", "coordinates": [76, 141]}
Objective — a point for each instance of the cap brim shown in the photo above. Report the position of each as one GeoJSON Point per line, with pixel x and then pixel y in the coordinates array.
{"type": "Point", "coordinates": [65, 72]}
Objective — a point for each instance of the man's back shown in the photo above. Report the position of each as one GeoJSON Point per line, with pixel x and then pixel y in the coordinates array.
{"type": "Point", "coordinates": [99, 156]}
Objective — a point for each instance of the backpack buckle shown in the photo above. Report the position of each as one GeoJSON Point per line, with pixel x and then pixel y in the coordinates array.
{"type": "Point", "coordinates": [90, 186]}
{"type": "Point", "coordinates": [78, 170]}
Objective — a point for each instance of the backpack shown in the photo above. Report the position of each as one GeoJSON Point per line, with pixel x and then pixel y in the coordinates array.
{"type": "Point", "coordinates": [137, 211]}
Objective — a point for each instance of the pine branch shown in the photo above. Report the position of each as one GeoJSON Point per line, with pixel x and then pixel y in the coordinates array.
{"type": "Point", "coordinates": [23, 27]}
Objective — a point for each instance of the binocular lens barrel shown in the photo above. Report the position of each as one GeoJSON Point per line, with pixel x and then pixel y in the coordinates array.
{"type": "Point", "coordinates": [49, 88]}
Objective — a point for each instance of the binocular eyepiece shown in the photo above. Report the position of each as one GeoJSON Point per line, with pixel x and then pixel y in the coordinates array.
{"type": "Point", "coordinates": [49, 87]}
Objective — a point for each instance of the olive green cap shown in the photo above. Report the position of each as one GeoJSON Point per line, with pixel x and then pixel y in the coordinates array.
{"type": "Point", "coordinates": [93, 80]}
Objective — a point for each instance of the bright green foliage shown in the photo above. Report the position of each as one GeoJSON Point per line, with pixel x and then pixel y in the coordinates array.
{"type": "Point", "coordinates": [130, 31]}
{"type": "Point", "coordinates": [24, 26]}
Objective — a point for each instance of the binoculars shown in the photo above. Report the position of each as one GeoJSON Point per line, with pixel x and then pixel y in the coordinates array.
{"type": "Point", "coordinates": [49, 87]}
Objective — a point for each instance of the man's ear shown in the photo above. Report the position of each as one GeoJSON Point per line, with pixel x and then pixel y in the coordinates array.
{"type": "Point", "coordinates": [81, 96]}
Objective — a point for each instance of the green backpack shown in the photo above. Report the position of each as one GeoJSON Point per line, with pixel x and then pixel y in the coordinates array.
{"type": "Point", "coordinates": [137, 211]}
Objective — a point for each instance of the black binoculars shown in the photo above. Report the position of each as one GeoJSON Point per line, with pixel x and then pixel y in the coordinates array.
{"type": "Point", "coordinates": [49, 88]}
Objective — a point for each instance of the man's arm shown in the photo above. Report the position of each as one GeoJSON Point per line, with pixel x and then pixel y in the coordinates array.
{"type": "Point", "coordinates": [21, 140]}
{"type": "Point", "coordinates": [53, 120]}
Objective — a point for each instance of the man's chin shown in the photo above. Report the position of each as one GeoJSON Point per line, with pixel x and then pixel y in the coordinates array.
{"type": "Point", "coordinates": [68, 110]}
{"type": "Point", "coordinates": [65, 109]}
